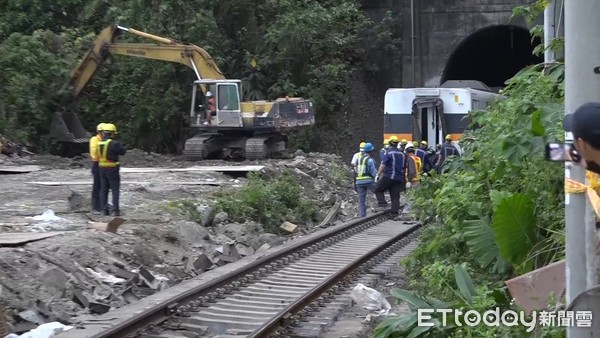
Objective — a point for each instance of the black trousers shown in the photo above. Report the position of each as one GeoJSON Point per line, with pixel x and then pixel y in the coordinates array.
{"type": "Point", "coordinates": [96, 186]}
{"type": "Point", "coordinates": [395, 187]}
{"type": "Point", "coordinates": [110, 178]}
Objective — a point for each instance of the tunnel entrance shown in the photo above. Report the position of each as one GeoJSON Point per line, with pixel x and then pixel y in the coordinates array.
{"type": "Point", "coordinates": [491, 55]}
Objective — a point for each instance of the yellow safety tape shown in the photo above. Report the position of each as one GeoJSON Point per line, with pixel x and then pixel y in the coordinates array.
{"type": "Point", "coordinates": [574, 187]}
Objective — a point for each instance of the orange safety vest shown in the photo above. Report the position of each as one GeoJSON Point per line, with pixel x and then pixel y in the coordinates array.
{"type": "Point", "coordinates": [418, 167]}
{"type": "Point", "coordinates": [104, 162]}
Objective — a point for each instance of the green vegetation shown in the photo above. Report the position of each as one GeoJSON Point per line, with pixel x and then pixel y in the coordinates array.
{"type": "Point", "coordinates": [270, 202]}
{"type": "Point", "coordinates": [496, 214]}
{"type": "Point", "coordinates": [311, 48]}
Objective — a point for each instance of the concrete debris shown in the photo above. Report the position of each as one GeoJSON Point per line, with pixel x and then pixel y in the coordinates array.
{"type": "Point", "coordinates": [117, 265]}
{"type": "Point", "coordinates": [289, 227]}
{"type": "Point", "coordinates": [46, 330]}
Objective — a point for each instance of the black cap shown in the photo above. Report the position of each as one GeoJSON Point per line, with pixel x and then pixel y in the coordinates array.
{"type": "Point", "coordinates": [584, 123]}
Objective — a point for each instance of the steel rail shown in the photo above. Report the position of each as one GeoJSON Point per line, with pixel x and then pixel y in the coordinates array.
{"type": "Point", "coordinates": [279, 320]}
{"type": "Point", "coordinates": [161, 311]}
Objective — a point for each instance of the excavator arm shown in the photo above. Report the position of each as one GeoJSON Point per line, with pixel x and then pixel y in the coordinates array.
{"type": "Point", "coordinates": [165, 49]}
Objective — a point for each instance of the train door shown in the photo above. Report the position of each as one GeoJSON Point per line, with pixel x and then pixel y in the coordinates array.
{"type": "Point", "coordinates": [427, 115]}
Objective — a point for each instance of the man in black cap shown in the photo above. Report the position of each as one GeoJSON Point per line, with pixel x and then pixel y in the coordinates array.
{"type": "Point", "coordinates": [584, 123]}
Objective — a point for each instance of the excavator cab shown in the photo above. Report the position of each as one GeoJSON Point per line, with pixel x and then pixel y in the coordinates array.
{"type": "Point", "coordinates": [227, 112]}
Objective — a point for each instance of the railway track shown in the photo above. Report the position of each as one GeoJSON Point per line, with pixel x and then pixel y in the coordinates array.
{"type": "Point", "coordinates": [278, 295]}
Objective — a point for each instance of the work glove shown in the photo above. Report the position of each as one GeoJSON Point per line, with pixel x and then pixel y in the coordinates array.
{"type": "Point", "coordinates": [376, 178]}
{"type": "Point", "coordinates": [408, 184]}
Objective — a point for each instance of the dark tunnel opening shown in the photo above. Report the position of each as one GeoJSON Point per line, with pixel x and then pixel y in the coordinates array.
{"type": "Point", "coordinates": [491, 55]}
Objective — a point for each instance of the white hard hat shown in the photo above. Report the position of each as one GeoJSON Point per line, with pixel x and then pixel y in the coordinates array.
{"type": "Point", "coordinates": [208, 93]}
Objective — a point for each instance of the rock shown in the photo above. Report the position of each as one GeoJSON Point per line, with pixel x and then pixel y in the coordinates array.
{"type": "Point", "coordinates": [263, 248]}
{"type": "Point", "coordinates": [244, 250]}
{"type": "Point", "coordinates": [320, 162]}
{"type": "Point", "coordinates": [201, 264]}
{"type": "Point", "coordinates": [271, 239]}
{"type": "Point", "coordinates": [76, 201]}
{"type": "Point", "coordinates": [289, 227]}
{"type": "Point", "coordinates": [192, 231]}
{"type": "Point", "coordinates": [206, 215]}
{"type": "Point", "coordinates": [329, 199]}
{"type": "Point", "coordinates": [299, 152]}
{"type": "Point", "coordinates": [55, 280]}
{"type": "Point", "coordinates": [220, 217]}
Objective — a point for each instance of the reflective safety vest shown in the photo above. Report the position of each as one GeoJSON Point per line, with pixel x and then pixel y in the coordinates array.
{"type": "Point", "coordinates": [418, 167]}
{"type": "Point", "coordinates": [104, 161]}
{"type": "Point", "coordinates": [362, 170]}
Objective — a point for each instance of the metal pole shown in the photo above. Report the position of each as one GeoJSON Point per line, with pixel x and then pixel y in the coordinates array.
{"type": "Point", "coordinates": [549, 30]}
{"type": "Point", "coordinates": [581, 85]}
{"type": "Point", "coordinates": [412, 42]}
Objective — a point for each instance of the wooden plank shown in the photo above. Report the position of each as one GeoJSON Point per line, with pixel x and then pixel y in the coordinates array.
{"type": "Point", "coordinates": [195, 168]}
{"type": "Point", "coordinates": [19, 238]}
{"type": "Point", "coordinates": [22, 169]}
{"type": "Point", "coordinates": [164, 182]}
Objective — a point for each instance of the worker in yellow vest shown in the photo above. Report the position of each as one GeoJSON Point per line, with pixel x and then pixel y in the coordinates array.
{"type": "Point", "coordinates": [414, 165]}
{"type": "Point", "coordinates": [95, 156]}
{"type": "Point", "coordinates": [110, 178]}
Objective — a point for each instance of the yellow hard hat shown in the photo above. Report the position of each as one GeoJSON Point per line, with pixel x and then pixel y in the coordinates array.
{"type": "Point", "coordinates": [109, 127]}
{"type": "Point", "coordinates": [100, 127]}
{"type": "Point", "coordinates": [404, 141]}
{"type": "Point", "coordinates": [393, 139]}
{"type": "Point", "coordinates": [448, 137]}
{"type": "Point", "coordinates": [386, 142]}
{"type": "Point", "coordinates": [362, 145]}
{"type": "Point", "coordinates": [424, 143]}
{"type": "Point", "coordinates": [415, 143]}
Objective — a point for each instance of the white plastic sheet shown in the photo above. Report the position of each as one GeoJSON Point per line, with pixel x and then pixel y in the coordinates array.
{"type": "Point", "coordinates": [47, 216]}
{"type": "Point", "coordinates": [371, 300]}
{"type": "Point", "coordinates": [47, 330]}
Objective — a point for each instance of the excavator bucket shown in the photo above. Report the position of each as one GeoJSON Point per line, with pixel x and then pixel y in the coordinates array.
{"type": "Point", "coordinates": [66, 127]}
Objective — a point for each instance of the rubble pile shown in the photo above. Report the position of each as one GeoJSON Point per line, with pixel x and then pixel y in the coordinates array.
{"type": "Point", "coordinates": [91, 265]}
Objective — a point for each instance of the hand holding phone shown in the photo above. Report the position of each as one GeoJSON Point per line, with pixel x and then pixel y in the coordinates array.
{"type": "Point", "coordinates": [562, 152]}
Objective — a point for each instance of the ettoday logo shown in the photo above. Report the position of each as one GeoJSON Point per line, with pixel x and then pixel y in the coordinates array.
{"type": "Point", "coordinates": [473, 318]}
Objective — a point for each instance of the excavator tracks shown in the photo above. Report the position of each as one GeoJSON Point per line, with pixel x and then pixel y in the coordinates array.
{"type": "Point", "coordinates": [195, 148]}
{"type": "Point", "coordinates": [265, 146]}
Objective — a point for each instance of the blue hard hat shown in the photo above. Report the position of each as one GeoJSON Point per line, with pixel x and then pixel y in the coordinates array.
{"type": "Point", "coordinates": [368, 147]}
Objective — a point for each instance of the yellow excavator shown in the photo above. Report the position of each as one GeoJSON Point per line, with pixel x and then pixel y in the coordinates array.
{"type": "Point", "coordinates": [223, 126]}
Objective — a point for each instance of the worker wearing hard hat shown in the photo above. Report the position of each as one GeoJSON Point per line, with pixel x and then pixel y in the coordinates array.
{"type": "Point", "coordinates": [391, 177]}
{"type": "Point", "coordinates": [211, 107]}
{"type": "Point", "coordinates": [421, 152]}
{"type": "Point", "coordinates": [413, 168]}
{"type": "Point", "coordinates": [95, 156]}
{"type": "Point", "coordinates": [403, 144]}
{"type": "Point", "coordinates": [110, 178]}
{"type": "Point", "coordinates": [447, 149]}
{"type": "Point", "coordinates": [383, 151]}
{"type": "Point", "coordinates": [365, 178]}
{"type": "Point", "coordinates": [356, 158]}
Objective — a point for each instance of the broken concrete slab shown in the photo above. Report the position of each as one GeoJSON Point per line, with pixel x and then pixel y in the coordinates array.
{"type": "Point", "coordinates": [232, 168]}
{"type": "Point", "coordinates": [111, 226]}
{"type": "Point", "coordinates": [289, 227]}
{"type": "Point", "coordinates": [244, 250]}
{"type": "Point", "coordinates": [532, 290]}
{"type": "Point", "coordinates": [22, 169]}
{"type": "Point", "coordinates": [55, 280]}
{"type": "Point", "coordinates": [20, 238]}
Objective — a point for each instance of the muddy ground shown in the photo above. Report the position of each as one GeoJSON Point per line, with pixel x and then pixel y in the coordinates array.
{"type": "Point", "coordinates": [86, 269]}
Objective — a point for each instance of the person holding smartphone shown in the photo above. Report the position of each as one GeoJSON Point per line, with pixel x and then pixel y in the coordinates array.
{"type": "Point", "coordinates": [584, 123]}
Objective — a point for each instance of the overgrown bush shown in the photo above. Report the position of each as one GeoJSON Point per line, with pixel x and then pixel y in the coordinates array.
{"type": "Point", "coordinates": [269, 202]}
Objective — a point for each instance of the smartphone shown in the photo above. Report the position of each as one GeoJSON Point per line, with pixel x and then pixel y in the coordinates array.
{"type": "Point", "coordinates": [562, 152]}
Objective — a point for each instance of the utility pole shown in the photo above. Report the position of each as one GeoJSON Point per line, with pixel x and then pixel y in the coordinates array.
{"type": "Point", "coordinates": [549, 30]}
{"type": "Point", "coordinates": [582, 85]}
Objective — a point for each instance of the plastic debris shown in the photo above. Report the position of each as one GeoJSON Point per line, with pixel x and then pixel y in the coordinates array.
{"type": "Point", "coordinates": [47, 216]}
{"type": "Point", "coordinates": [371, 300]}
{"type": "Point", "coordinates": [105, 277]}
{"type": "Point", "coordinates": [47, 330]}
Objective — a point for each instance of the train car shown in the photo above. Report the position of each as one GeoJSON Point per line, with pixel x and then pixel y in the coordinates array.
{"type": "Point", "coordinates": [417, 114]}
